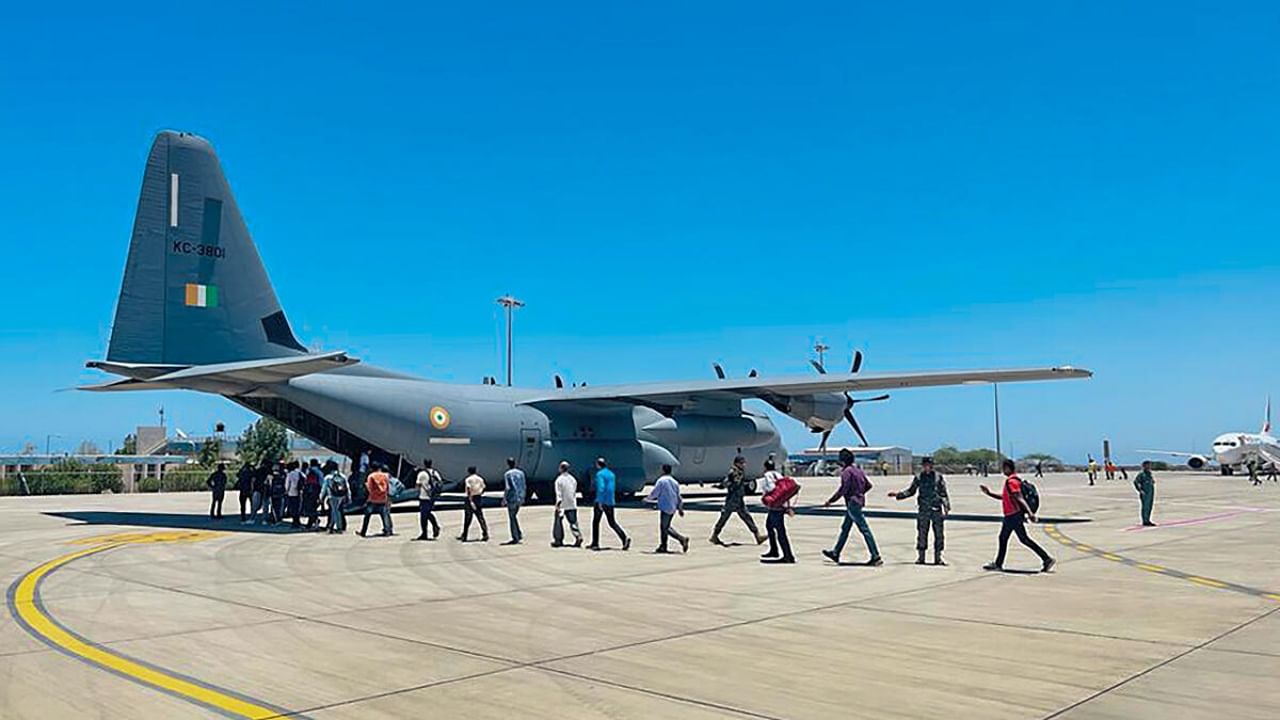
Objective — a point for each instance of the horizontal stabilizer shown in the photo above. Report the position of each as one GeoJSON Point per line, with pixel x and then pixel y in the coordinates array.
{"type": "Point", "coordinates": [231, 378]}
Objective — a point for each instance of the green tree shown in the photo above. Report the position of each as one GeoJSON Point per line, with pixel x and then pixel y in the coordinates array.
{"type": "Point", "coordinates": [266, 439]}
{"type": "Point", "coordinates": [129, 446]}
{"type": "Point", "coordinates": [210, 452]}
{"type": "Point", "coordinates": [1045, 459]}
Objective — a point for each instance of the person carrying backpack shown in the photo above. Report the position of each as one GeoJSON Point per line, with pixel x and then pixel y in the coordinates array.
{"type": "Point", "coordinates": [337, 492]}
{"type": "Point", "coordinates": [430, 483]}
{"type": "Point", "coordinates": [1019, 504]}
{"type": "Point", "coordinates": [932, 506]}
{"type": "Point", "coordinates": [777, 494]}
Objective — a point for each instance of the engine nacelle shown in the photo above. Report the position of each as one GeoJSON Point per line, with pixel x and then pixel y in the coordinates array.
{"type": "Point", "coordinates": [1196, 462]}
{"type": "Point", "coordinates": [821, 411]}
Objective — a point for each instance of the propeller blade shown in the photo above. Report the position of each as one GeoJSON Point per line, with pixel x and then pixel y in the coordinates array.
{"type": "Point", "coordinates": [753, 373]}
{"type": "Point", "coordinates": [877, 398]}
{"type": "Point", "coordinates": [719, 370]}
{"type": "Point", "coordinates": [822, 446]}
{"type": "Point", "coordinates": [857, 362]}
{"type": "Point", "coordinates": [848, 415]}
{"type": "Point", "coordinates": [559, 382]}
{"type": "Point", "coordinates": [818, 366]}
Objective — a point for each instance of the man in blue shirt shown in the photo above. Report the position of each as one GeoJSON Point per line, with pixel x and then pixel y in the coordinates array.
{"type": "Point", "coordinates": [513, 485]}
{"type": "Point", "coordinates": [606, 489]}
{"type": "Point", "coordinates": [666, 493]}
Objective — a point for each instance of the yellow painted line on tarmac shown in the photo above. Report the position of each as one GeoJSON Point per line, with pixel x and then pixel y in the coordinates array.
{"type": "Point", "coordinates": [25, 604]}
{"type": "Point", "coordinates": [1150, 568]}
{"type": "Point", "coordinates": [1271, 596]}
{"type": "Point", "coordinates": [1207, 581]}
{"type": "Point", "coordinates": [1109, 556]}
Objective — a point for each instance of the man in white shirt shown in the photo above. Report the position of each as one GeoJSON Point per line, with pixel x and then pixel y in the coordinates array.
{"type": "Point", "coordinates": [566, 507]}
{"type": "Point", "coordinates": [429, 485]}
{"type": "Point", "coordinates": [293, 493]}
{"type": "Point", "coordinates": [474, 507]}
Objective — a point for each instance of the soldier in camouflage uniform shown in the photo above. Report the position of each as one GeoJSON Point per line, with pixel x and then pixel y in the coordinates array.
{"type": "Point", "coordinates": [933, 504]}
{"type": "Point", "coordinates": [735, 485]}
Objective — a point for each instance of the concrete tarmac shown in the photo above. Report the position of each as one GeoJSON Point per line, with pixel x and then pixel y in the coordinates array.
{"type": "Point", "coordinates": [127, 606]}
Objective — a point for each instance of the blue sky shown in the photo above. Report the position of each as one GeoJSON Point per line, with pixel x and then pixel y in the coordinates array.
{"type": "Point", "coordinates": [667, 186]}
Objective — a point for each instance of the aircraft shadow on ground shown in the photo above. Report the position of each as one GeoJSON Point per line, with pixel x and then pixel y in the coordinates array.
{"type": "Point", "coordinates": [230, 522]}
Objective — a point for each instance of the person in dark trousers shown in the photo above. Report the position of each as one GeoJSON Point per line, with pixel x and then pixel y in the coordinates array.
{"type": "Point", "coordinates": [566, 510]}
{"type": "Point", "coordinates": [244, 486]}
{"type": "Point", "coordinates": [474, 508]}
{"type": "Point", "coordinates": [277, 493]}
{"type": "Point", "coordinates": [513, 491]}
{"type": "Point", "coordinates": [1039, 468]}
{"type": "Point", "coordinates": [293, 494]}
{"type": "Point", "coordinates": [774, 519]}
{"type": "Point", "coordinates": [1145, 484]}
{"type": "Point", "coordinates": [260, 507]}
{"type": "Point", "coordinates": [666, 495]}
{"type": "Point", "coordinates": [1016, 514]}
{"type": "Point", "coordinates": [217, 484]}
{"type": "Point", "coordinates": [312, 483]}
{"type": "Point", "coordinates": [430, 485]}
{"type": "Point", "coordinates": [853, 489]}
{"type": "Point", "coordinates": [735, 486]}
{"type": "Point", "coordinates": [377, 485]}
{"type": "Point", "coordinates": [606, 487]}
{"type": "Point", "coordinates": [932, 506]}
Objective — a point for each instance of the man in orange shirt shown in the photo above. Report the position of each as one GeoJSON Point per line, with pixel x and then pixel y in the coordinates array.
{"type": "Point", "coordinates": [377, 483]}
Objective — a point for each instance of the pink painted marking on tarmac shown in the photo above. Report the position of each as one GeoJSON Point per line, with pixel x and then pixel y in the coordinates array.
{"type": "Point", "coordinates": [1195, 521]}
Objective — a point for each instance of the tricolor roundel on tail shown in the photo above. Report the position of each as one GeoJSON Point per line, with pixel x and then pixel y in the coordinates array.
{"type": "Point", "coordinates": [195, 291]}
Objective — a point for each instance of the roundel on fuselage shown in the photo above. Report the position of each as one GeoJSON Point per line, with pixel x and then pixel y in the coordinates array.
{"type": "Point", "coordinates": [439, 417]}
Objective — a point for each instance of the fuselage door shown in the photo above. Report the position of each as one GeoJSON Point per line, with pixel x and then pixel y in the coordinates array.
{"type": "Point", "coordinates": [530, 449]}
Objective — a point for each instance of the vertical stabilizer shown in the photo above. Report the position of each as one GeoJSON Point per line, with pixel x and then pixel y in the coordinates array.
{"type": "Point", "coordinates": [194, 289]}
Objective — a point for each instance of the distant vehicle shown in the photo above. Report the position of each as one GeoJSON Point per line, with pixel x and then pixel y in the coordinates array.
{"type": "Point", "coordinates": [1235, 450]}
{"type": "Point", "coordinates": [196, 311]}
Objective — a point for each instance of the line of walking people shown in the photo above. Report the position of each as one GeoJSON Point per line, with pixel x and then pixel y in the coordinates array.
{"type": "Point", "coordinates": [272, 493]}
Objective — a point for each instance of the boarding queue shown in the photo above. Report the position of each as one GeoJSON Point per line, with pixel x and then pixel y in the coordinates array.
{"type": "Point", "coordinates": [300, 492]}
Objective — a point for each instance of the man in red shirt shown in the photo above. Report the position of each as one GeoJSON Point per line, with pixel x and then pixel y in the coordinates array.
{"type": "Point", "coordinates": [1016, 513]}
{"type": "Point", "coordinates": [377, 484]}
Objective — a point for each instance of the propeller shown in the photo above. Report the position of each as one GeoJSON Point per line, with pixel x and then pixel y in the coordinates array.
{"type": "Point", "coordinates": [850, 401]}
{"type": "Point", "coordinates": [559, 382]}
{"type": "Point", "coordinates": [719, 370]}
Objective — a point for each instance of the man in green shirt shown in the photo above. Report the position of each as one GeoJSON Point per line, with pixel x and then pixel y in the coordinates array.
{"type": "Point", "coordinates": [1146, 487]}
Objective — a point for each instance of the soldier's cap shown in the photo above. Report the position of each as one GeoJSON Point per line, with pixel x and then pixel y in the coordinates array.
{"type": "Point", "coordinates": [739, 459]}
{"type": "Point", "coordinates": [926, 460]}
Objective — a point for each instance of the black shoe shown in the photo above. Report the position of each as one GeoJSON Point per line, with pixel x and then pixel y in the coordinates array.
{"type": "Point", "coordinates": [626, 544]}
{"type": "Point", "coordinates": [578, 543]}
{"type": "Point", "coordinates": [684, 545]}
{"type": "Point", "coordinates": [937, 560]}
{"type": "Point", "coordinates": [875, 561]}
{"type": "Point", "coordinates": [556, 544]}
{"type": "Point", "coordinates": [593, 546]}
{"type": "Point", "coordinates": [422, 537]}
{"type": "Point", "coordinates": [779, 561]}
{"type": "Point", "coordinates": [830, 555]}
{"type": "Point", "coordinates": [662, 551]}
{"type": "Point", "coordinates": [1048, 565]}
{"type": "Point", "coordinates": [994, 567]}
{"type": "Point", "coordinates": [1148, 524]}
{"type": "Point", "coordinates": [511, 542]}
{"type": "Point", "coordinates": [769, 555]}
{"type": "Point", "coordinates": [920, 560]}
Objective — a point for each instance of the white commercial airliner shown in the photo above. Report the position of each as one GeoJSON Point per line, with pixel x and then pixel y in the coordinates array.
{"type": "Point", "coordinates": [1236, 449]}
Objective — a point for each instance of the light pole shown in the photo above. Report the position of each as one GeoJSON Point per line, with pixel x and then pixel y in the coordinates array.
{"type": "Point", "coordinates": [510, 303]}
{"type": "Point", "coordinates": [47, 439]}
{"type": "Point", "coordinates": [995, 393]}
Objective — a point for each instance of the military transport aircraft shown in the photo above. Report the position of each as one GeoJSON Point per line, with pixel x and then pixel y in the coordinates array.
{"type": "Point", "coordinates": [197, 312]}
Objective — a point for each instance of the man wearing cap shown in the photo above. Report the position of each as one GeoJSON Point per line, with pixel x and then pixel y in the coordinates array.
{"type": "Point", "coordinates": [735, 485]}
{"type": "Point", "coordinates": [1145, 484]}
{"type": "Point", "coordinates": [606, 487]}
{"type": "Point", "coordinates": [932, 505]}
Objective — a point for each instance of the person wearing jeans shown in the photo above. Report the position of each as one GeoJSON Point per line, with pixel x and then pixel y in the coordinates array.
{"type": "Point", "coordinates": [513, 491]}
{"type": "Point", "coordinates": [606, 492]}
{"type": "Point", "coordinates": [1016, 512]}
{"type": "Point", "coordinates": [666, 494]}
{"type": "Point", "coordinates": [853, 490]}
{"type": "Point", "coordinates": [566, 488]}
{"type": "Point", "coordinates": [377, 484]}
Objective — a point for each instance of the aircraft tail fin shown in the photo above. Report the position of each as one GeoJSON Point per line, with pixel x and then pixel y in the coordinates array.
{"type": "Point", "coordinates": [1266, 421]}
{"type": "Point", "coordinates": [194, 291]}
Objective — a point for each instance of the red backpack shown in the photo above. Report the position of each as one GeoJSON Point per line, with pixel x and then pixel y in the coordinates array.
{"type": "Point", "coordinates": [783, 490]}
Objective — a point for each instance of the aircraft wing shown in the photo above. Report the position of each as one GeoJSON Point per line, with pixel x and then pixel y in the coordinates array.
{"type": "Point", "coordinates": [1174, 453]}
{"type": "Point", "coordinates": [221, 378]}
{"type": "Point", "coordinates": [684, 395]}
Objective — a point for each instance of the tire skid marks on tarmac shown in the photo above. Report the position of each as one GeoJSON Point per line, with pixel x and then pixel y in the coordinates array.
{"type": "Point", "coordinates": [1053, 532]}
